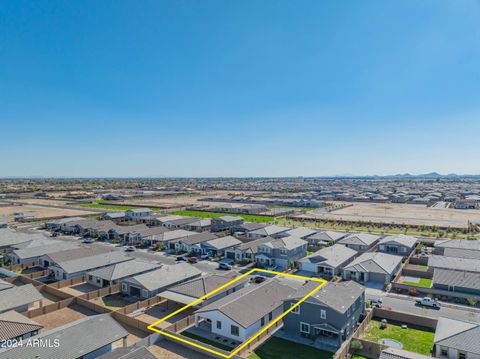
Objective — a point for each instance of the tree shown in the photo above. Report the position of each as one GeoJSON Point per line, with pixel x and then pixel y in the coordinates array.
{"type": "Point", "coordinates": [356, 345]}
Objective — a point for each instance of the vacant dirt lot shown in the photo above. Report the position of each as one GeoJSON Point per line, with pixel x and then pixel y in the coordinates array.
{"type": "Point", "coordinates": [79, 289]}
{"type": "Point", "coordinates": [402, 213]}
{"type": "Point", "coordinates": [42, 211]}
{"type": "Point", "coordinates": [155, 313]}
{"type": "Point", "coordinates": [167, 349]}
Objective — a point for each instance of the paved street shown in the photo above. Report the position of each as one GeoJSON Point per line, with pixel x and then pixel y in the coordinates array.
{"type": "Point", "coordinates": [407, 305]}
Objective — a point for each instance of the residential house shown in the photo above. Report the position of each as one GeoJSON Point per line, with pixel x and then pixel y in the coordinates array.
{"type": "Point", "coordinates": [240, 208]}
{"type": "Point", "coordinates": [132, 352]}
{"type": "Point", "coordinates": [361, 242]}
{"type": "Point", "coordinates": [269, 231]}
{"type": "Point", "coordinates": [186, 293]}
{"type": "Point", "coordinates": [168, 239]}
{"type": "Point", "coordinates": [57, 224]}
{"type": "Point", "coordinates": [456, 339]}
{"type": "Point", "coordinates": [14, 325]}
{"type": "Point", "coordinates": [458, 281]}
{"type": "Point", "coordinates": [111, 275]}
{"type": "Point", "coordinates": [30, 252]}
{"type": "Point", "coordinates": [301, 232]}
{"type": "Point", "coordinates": [139, 235]}
{"type": "Point", "coordinates": [281, 252]}
{"type": "Point", "coordinates": [453, 263]}
{"type": "Point", "coordinates": [328, 261]}
{"type": "Point", "coordinates": [225, 223]}
{"type": "Point", "coordinates": [241, 314]}
{"type": "Point", "coordinates": [328, 317]}
{"type": "Point", "coordinates": [399, 244]}
{"type": "Point", "coordinates": [198, 225]}
{"type": "Point", "coordinates": [70, 254]}
{"type": "Point", "coordinates": [10, 239]}
{"type": "Point", "coordinates": [149, 284]}
{"type": "Point", "coordinates": [178, 222]}
{"type": "Point", "coordinates": [373, 267]}
{"type": "Point", "coordinates": [115, 216]}
{"type": "Point", "coordinates": [86, 338]}
{"type": "Point", "coordinates": [247, 250]}
{"type": "Point", "coordinates": [461, 248]}
{"type": "Point", "coordinates": [192, 243]}
{"type": "Point", "coordinates": [246, 227]}
{"type": "Point", "coordinates": [19, 299]}
{"type": "Point", "coordinates": [325, 238]}
{"type": "Point", "coordinates": [74, 268]}
{"type": "Point", "coordinates": [217, 247]}
{"type": "Point", "coordinates": [137, 214]}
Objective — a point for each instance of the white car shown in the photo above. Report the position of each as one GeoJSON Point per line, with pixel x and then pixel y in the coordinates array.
{"type": "Point", "coordinates": [130, 249]}
{"type": "Point", "coordinates": [88, 240]}
{"type": "Point", "coordinates": [428, 302]}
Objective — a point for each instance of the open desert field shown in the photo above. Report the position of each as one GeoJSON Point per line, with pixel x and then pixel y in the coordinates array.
{"type": "Point", "coordinates": [401, 214]}
{"type": "Point", "coordinates": [40, 212]}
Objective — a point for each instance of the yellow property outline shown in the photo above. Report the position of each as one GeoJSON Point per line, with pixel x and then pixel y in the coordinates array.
{"type": "Point", "coordinates": [243, 345]}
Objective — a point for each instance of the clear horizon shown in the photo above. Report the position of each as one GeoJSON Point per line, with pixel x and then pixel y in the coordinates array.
{"type": "Point", "coordinates": [239, 89]}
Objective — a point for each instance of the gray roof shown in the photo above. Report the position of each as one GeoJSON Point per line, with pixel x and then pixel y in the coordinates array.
{"type": "Point", "coordinates": [164, 276]}
{"type": "Point", "coordinates": [301, 232]}
{"type": "Point", "coordinates": [129, 353]}
{"type": "Point", "coordinates": [338, 296]}
{"type": "Point", "coordinates": [461, 253]}
{"type": "Point", "coordinates": [93, 262]}
{"type": "Point", "coordinates": [359, 239]}
{"type": "Point", "coordinates": [464, 264]}
{"type": "Point", "coordinates": [247, 305]}
{"type": "Point", "coordinates": [472, 244]}
{"type": "Point", "coordinates": [5, 285]}
{"type": "Point", "coordinates": [76, 339]}
{"type": "Point", "coordinates": [375, 262]}
{"type": "Point", "coordinates": [457, 334]}
{"type": "Point", "coordinates": [456, 278]}
{"type": "Point", "coordinates": [222, 243]}
{"type": "Point", "coordinates": [332, 256]}
{"type": "Point", "coordinates": [13, 325]}
{"type": "Point", "coordinates": [75, 253]}
{"type": "Point", "coordinates": [402, 239]}
{"type": "Point", "coordinates": [39, 248]}
{"type": "Point", "coordinates": [327, 236]}
{"type": "Point", "coordinates": [19, 296]}
{"type": "Point", "coordinates": [123, 270]}
{"type": "Point", "coordinates": [286, 243]}
{"type": "Point", "coordinates": [65, 220]}
{"type": "Point", "coordinates": [198, 238]}
{"type": "Point", "coordinates": [229, 218]}
{"type": "Point", "coordinates": [198, 287]}
{"type": "Point", "coordinates": [253, 245]}
{"type": "Point", "coordinates": [172, 235]}
{"type": "Point", "coordinates": [11, 238]}
{"type": "Point", "coordinates": [117, 214]}
{"type": "Point", "coordinates": [252, 226]}
{"type": "Point", "coordinates": [394, 353]}
{"type": "Point", "coordinates": [270, 230]}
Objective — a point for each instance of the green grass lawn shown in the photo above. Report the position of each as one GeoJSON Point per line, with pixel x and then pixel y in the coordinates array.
{"type": "Point", "coordinates": [424, 283]}
{"type": "Point", "coordinates": [276, 348]}
{"type": "Point", "coordinates": [414, 340]}
{"type": "Point", "coordinates": [202, 214]}
{"type": "Point", "coordinates": [356, 356]}
{"type": "Point", "coordinates": [310, 252]}
{"type": "Point", "coordinates": [208, 341]}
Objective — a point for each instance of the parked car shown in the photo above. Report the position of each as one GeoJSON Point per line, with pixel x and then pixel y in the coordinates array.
{"type": "Point", "coordinates": [181, 259]}
{"type": "Point", "coordinates": [192, 260]}
{"type": "Point", "coordinates": [130, 249]}
{"type": "Point", "coordinates": [204, 257]}
{"type": "Point", "coordinates": [428, 302]}
{"type": "Point", "coordinates": [423, 255]}
{"type": "Point", "coordinates": [377, 302]}
{"type": "Point", "coordinates": [88, 240]}
{"type": "Point", "coordinates": [224, 266]}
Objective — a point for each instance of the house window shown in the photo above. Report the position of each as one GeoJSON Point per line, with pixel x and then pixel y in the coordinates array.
{"type": "Point", "coordinates": [270, 316]}
{"type": "Point", "coordinates": [124, 288]}
{"type": "Point", "coordinates": [323, 314]}
{"type": "Point", "coordinates": [443, 352]}
{"type": "Point", "coordinates": [295, 310]}
{"type": "Point", "coordinates": [262, 321]}
{"type": "Point", "coordinates": [144, 293]}
{"type": "Point", "coordinates": [234, 330]}
{"type": "Point", "coordinates": [304, 328]}
{"type": "Point", "coordinates": [462, 355]}
{"type": "Point", "coordinates": [219, 324]}
{"type": "Point", "coordinates": [283, 252]}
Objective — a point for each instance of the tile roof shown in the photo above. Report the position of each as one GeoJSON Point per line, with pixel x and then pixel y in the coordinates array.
{"type": "Point", "coordinates": [332, 256]}
{"type": "Point", "coordinates": [93, 262]}
{"type": "Point", "coordinates": [456, 278]}
{"type": "Point", "coordinates": [359, 239]}
{"type": "Point", "coordinates": [402, 239]}
{"type": "Point", "coordinates": [13, 325]}
{"type": "Point", "coordinates": [222, 242]}
{"type": "Point", "coordinates": [375, 262]}
{"type": "Point", "coordinates": [465, 264]}
{"type": "Point", "coordinates": [458, 334]}
{"type": "Point", "coordinates": [123, 270]}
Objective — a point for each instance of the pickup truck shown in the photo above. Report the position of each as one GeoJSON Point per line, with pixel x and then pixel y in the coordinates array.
{"type": "Point", "coordinates": [427, 302]}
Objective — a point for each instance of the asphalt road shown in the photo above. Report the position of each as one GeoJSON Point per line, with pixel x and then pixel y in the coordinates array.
{"type": "Point", "coordinates": [407, 305]}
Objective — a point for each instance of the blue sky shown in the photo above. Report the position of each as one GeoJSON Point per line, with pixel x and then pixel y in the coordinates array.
{"type": "Point", "coordinates": [239, 88]}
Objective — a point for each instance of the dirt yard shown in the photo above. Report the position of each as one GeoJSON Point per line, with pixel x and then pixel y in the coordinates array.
{"type": "Point", "coordinates": [63, 316]}
{"type": "Point", "coordinates": [40, 212]}
{"type": "Point", "coordinates": [155, 313]}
